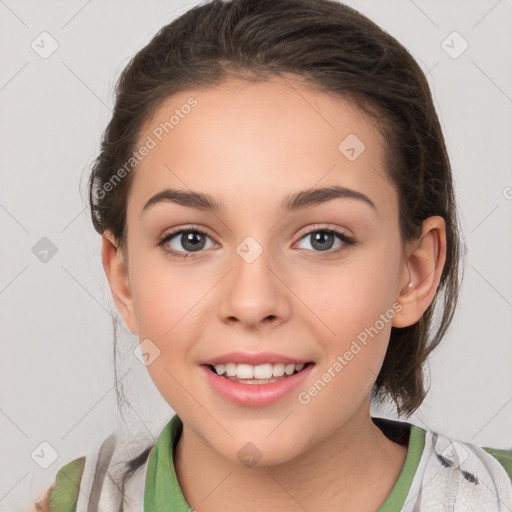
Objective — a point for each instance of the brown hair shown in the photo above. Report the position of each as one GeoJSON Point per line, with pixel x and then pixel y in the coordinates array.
{"type": "Point", "coordinates": [334, 49]}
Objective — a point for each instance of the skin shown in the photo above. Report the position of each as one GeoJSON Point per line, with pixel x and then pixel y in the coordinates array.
{"type": "Point", "coordinates": [250, 145]}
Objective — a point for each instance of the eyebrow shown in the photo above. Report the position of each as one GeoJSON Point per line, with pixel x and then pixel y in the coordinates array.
{"type": "Point", "coordinates": [293, 202]}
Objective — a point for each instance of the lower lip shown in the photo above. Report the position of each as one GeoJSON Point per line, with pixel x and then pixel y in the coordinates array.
{"type": "Point", "coordinates": [255, 395]}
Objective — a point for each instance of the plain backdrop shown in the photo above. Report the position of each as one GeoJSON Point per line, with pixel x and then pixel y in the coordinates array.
{"type": "Point", "coordinates": [56, 364]}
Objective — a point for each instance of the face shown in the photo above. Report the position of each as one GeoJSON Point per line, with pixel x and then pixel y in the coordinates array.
{"type": "Point", "coordinates": [317, 282]}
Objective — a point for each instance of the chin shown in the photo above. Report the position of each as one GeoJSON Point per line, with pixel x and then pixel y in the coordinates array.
{"type": "Point", "coordinates": [257, 451]}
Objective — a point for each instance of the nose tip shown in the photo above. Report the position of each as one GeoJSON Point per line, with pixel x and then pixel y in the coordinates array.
{"type": "Point", "coordinates": [253, 293]}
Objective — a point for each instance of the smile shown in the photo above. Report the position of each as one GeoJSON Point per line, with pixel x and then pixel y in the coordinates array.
{"type": "Point", "coordinates": [254, 391]}
{"type": "Point", "coordinates": [254, 374]}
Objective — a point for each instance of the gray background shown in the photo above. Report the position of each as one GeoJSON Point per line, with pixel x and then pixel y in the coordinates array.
{"type": "Point", "coordinates": [56, 364]}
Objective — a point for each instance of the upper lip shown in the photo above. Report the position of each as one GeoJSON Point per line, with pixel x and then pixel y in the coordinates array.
{"type": "Point", "coordinates": [254, 359]}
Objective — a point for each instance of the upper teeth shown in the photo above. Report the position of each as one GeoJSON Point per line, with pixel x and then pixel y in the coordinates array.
{"type": "Point", "coordinates": [262, 371]}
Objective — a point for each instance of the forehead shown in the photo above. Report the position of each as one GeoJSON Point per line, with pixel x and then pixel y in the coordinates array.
{"type": "Point", "coordinates": [243, 142]}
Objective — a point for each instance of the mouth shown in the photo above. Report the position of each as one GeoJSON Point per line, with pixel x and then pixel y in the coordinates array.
{"type": "Point", "coordinates": [261, 374]}
{"type": "Point", "coordinates": [255, 386]}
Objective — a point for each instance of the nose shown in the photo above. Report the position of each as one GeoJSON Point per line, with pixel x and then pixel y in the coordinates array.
{"type": "Point", "coordinates": [254, 291]}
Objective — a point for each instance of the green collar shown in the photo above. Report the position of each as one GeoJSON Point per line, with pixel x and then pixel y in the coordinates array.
{"type": "Point", "coordinates": [396, 498]}
{"type": "Point", "coordinates": [162, 488]}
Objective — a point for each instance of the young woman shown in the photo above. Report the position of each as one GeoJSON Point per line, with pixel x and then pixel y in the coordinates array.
{"type": "Point", "coordinates": [279, 230]}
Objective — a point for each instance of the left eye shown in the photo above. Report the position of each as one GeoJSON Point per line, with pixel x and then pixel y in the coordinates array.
{"type": "Point", "coordinates": [323, 239]}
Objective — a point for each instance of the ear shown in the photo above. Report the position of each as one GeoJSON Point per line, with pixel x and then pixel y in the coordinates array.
{"type": "Point", "coordinates": [423, 268]}
{"type": "Point", "coordinates": [117, 274]}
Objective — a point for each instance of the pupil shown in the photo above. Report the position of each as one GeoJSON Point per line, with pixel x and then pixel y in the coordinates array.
{"type": "Point", "coordinates": [321, 236]}
{"type": "Point", "coordinates": [191, 238]}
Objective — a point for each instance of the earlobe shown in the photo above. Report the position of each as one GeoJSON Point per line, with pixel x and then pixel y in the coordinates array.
{"type": "Point", "coordinates": [117, 275]}
{"type": "Point", "coordinates": [425, 264]}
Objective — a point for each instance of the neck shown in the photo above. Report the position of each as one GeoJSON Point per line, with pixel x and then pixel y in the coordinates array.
{"type": "Point", "coordinates": [325, 477]}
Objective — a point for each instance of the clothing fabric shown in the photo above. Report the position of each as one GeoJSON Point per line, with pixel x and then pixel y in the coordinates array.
{"type": "Point", "coordinates": [439, 474]}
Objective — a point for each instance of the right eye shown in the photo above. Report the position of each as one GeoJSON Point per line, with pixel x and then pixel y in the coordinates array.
{"type": "Point", "coordinates": [192, 240]}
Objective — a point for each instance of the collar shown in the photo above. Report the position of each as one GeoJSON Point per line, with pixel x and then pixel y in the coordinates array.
{"type": "Point", "coordinates": [162, 487]}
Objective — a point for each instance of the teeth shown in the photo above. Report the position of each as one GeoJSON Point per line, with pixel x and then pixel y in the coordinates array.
{"type": "Point", "coordinates": [262, 371]}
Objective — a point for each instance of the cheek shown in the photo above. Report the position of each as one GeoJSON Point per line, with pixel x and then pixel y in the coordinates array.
{"type": "Point", "coordinates": [354, 295]}
{"type": "Point", "coordinates": [165, 313]}
{"type": "Point", "coordinates": [352, 354]}
{"type": "Point", "coordinates": [168, 309]}
{"type": "Point", "coordinates": [355, 306]}
{"type": "Point", "coordinates": [161, 297]}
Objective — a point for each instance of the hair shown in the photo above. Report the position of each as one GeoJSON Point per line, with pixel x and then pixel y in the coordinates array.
{"type": "Point", "coordinates": [334, 49]}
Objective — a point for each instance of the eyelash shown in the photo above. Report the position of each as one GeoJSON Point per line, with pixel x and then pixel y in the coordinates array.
{"type": "Point", "coordinates": [348, 241]}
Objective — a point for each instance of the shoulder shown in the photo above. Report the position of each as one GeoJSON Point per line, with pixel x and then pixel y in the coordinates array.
{"type": "Point", "coordinates": [455, 469]}
{"type": "Point", "coordinates": [451, 452]}
{"type": "Point", "coordinates": [84, 473]}
{"type": "Point", "coordinates": [100, 478]}
{"type": "Point", "coordinates": [497, 463]}
{"type": "Point", "coordinates": [504, 457]}
{"type": "Point", "coordinates": [62, 496]}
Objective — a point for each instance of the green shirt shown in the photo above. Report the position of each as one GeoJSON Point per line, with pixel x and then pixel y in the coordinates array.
{"type": "Point", "coordinates": [162, 487]}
